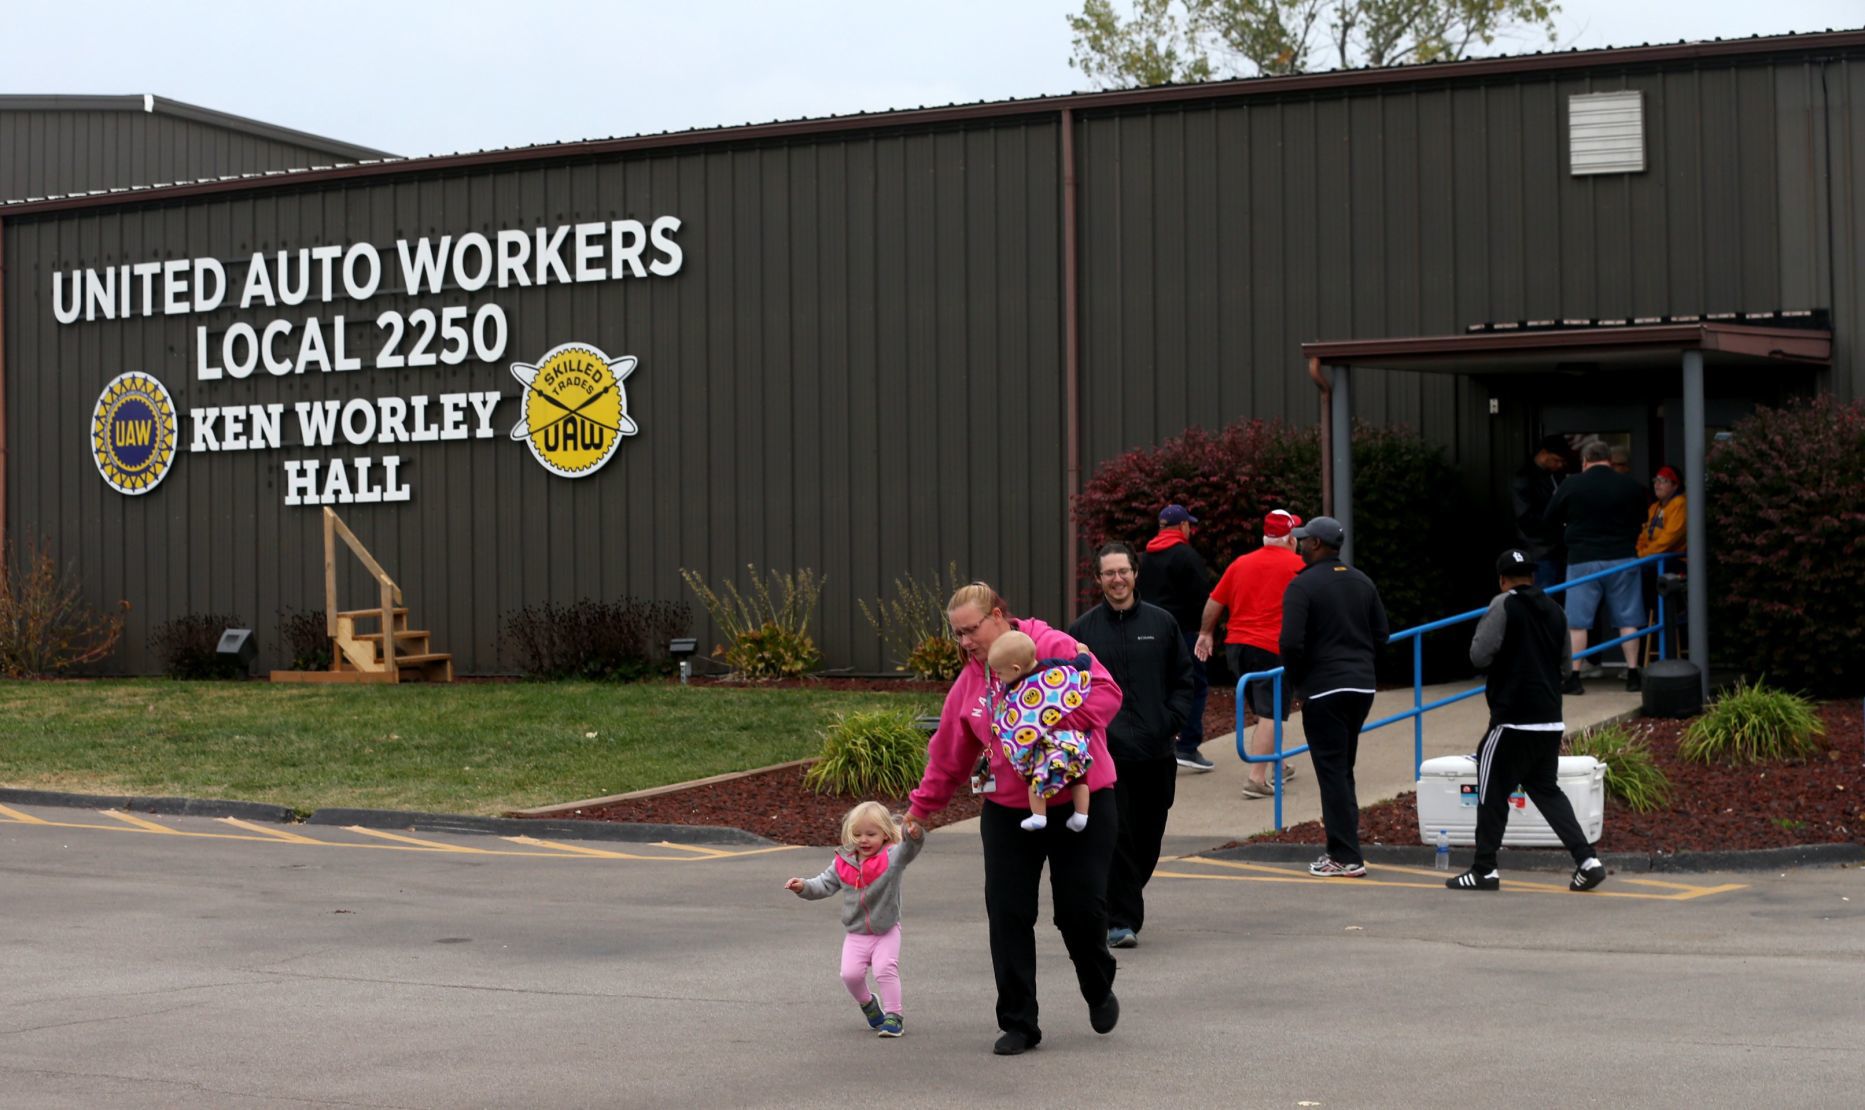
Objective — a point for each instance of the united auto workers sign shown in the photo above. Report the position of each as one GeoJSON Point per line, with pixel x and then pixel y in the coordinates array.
{"type": "Point", "coordinates": [574, 402]}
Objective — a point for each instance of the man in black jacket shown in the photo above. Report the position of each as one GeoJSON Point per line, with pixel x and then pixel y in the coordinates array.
{"type": "Point", "coordinates": [1333, 626]}
{"type": "Point", "coordinates": [1522, 642]}
{"type": "Point", "coordinates": [1141, 647]}
{"type": "Point", "coordinates": [1531, 490]}
{"type": "Point", "coordinates": [1601, 512]}
{"type": "Point", "coordinates": [1176, 581]}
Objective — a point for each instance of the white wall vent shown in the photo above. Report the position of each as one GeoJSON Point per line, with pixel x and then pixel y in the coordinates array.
{"type": "Point", "coordinates": [1606, 132]}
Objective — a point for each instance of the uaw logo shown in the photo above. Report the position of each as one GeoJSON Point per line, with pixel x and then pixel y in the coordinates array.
{"type": "Point", "coordinates": [133, 433]}
{"type": "Point", "coordinates": [575, 410]}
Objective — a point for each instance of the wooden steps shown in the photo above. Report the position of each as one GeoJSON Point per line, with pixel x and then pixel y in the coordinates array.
{"type": "Point", "coordinates": [390, 651]}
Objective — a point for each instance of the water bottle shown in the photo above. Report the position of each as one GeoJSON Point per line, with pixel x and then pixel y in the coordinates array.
{"type": "Point", "coordinates": [1444, 850]}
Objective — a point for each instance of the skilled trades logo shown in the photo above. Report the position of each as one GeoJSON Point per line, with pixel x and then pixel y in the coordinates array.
{"type": "Point", "coordinates": [133, 433]}
{"type": "Point", "coordinates": [575, 409]}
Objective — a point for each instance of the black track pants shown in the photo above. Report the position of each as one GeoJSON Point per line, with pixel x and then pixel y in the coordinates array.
{"type": "Point", "coordinates": [1332, 725]}
{"type": "Point", "coordinates": [1143, 795]}
{"type": "Point", "coordinates": [1078, 865]}
{"type": "Point", "coordinates": [1532, 759]}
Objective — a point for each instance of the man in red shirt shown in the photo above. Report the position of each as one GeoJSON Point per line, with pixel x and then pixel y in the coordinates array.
{"type": "Point", "coordinates": [1251, 590]}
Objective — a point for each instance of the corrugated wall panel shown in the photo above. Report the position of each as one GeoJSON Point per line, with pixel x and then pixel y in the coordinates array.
{"type": "Point", "coordinates": [857, 370]}
{"type": "Point", "coordinates": [53, 152]}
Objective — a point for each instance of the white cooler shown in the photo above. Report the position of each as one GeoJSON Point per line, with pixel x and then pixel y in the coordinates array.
{"type": "Point", "coordinates": [1447, 797]}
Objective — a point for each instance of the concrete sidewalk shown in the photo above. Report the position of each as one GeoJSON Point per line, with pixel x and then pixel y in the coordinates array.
{"type": "Point", "coordinates": [1210, 805]}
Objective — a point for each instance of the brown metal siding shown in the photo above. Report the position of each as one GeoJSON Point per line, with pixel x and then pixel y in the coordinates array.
{"type": "Point", "coordinates": [857, 370]}
{"type": "Point", "coordinates": [1417, 211]}
{"type": "Point", "coordinates": [55, 152]}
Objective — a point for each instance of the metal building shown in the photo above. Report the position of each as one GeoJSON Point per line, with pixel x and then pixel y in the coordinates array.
{"type": "Point", "coordinates": [872, 344]}
{"type": "Point", "coordinates": [60, 145]}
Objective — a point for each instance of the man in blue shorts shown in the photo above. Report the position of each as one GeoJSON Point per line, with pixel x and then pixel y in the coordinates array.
{"type": "Point", "coordinates": [1602, 512]}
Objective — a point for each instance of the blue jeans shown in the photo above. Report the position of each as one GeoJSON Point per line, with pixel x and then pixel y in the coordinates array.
{"type": "Point", "coordinates": [1192, 733]}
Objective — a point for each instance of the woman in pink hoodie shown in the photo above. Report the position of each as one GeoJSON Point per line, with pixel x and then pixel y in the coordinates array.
{"type": "Point", "coordinates": [1013, 858]}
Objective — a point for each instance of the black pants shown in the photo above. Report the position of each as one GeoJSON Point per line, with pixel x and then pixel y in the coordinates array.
{"type": "Point", "coordinates": [1078, 865]}
{"type": "Point", "coordinates": [1143, 794]}
{"type": "Point", "coordinates": [1332, 725]}
{"type": "Point", "coordinates": [1191, 733]}
{"type": "Point", "coordinates": [1531, 758]}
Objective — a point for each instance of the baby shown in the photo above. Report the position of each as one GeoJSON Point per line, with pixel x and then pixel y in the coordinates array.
{"type": "Point", "coordinates": [1040, 693]}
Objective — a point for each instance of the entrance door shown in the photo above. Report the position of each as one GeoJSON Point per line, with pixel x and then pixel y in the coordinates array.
{"type": "Point", "coordinates": [1627, 426]}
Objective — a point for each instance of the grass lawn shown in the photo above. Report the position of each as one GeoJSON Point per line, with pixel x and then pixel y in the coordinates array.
{"type": "Point", "coordinates": [466, 748]}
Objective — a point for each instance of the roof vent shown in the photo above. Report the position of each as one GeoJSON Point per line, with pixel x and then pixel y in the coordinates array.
{"type": "Point", "coordinates": [1606, 133]}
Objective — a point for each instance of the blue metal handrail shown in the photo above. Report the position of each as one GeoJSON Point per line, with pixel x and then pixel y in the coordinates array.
{"type": "Point", "coordinates": [1419, 706]}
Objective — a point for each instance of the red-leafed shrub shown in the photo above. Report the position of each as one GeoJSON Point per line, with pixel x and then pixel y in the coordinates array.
{"type": "Point", "coordinates": [1787, 535]}
{"type": "Point", "coordinates": [1412, 531]}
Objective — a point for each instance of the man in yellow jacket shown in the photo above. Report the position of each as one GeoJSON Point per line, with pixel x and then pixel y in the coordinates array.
{"type": "Point", "coordinates": [1664, 520]}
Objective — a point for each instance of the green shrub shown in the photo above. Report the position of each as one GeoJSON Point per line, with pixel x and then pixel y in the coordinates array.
{"type": "Point", "coordinates": [1787, 532]}
{"type": "Point", "coordinates": [1632, 776]}
{"type": "Point", "coordinates": [305, 635]}
{"type": "Point", "coordinates": [621, 640]}
{"type": "Point", "coordinates": [46, 626]}
{"type": "Point", "coordinates": [1754, 724]}
{"type": "Point", "coordinates": [189, 646]}
{"type": "Point", "coordinates": [872, 753]}
{"type": "Point", "coordinates": [913, 628]}
{"type": "Point", "coordinates": [938, 657]}
{"type": "Point", "coordinates": [767, 629]}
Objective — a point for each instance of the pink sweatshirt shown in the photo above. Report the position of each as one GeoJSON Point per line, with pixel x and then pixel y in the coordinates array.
{"type": "Point", "coordinates": [965, 728]}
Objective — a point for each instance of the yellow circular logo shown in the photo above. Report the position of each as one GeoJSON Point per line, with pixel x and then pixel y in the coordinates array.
{"type": "Point", "coordinates": [133, 433]}
{"type": "Point", "coordinates": [575, 408]}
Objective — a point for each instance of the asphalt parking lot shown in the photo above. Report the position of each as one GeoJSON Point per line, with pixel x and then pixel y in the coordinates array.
{"type": "Point", "coordinates": [187, 961]}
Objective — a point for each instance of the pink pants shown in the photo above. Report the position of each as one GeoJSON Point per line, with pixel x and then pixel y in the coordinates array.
{"type": "Point", "coordinates": [863, 950]}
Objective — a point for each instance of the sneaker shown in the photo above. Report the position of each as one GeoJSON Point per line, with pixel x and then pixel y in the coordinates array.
{"type": "Point", "coordinates": [871, 1009]}
{"type": "Point", "coordinates": [1586, 878]}
{"type": "Point", "coordinates": [1633, 683]}
{"type": "Point", "coordinates": [1571, 684]}
{"type": "Point", "coordinates": [1288, 773]}
{"type": "Point", "coordinates": [1329, 868]}
{"type": "Point", "coordinates": [1016, 1042]}
{"type": "Point", "coordinates": [1122, 937]}
{"type": "Point", "coordinates": [1470, 880]}
{"type": "Point", "coordinates": [1195, 762]}
{"type": "Point", "coordinates": [1253, 790]}
{"type": "Point", "coordinates": [891, 1026]}
{"type": "Point", "coordinates": [1104, 1014]}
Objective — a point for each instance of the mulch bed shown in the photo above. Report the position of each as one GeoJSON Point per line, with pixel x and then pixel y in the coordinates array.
{"type": "Point", "coordinates": [1713, 808]}
{"type": "Point", "coordinates": [775, 804]}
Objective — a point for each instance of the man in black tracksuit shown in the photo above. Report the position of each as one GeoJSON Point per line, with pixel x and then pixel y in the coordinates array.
{"type": "Point", "coordinates": [1142, 648]}
{"type": "Point", "coordinates": [1522, 642]}
{"type": "Point", "coordinates": [1333, 626]}
{"type": "Point", "coordinates": [1172, 576]}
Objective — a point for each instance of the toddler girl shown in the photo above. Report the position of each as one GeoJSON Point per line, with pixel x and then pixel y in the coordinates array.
{"type": "Point", "coordinates": [867, 870]}
{"type": "Point", "coordinates": [1039, 694]}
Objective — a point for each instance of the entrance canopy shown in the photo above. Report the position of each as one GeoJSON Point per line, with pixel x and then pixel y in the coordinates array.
{"type": "Point", "coordinates": [1689, 346]}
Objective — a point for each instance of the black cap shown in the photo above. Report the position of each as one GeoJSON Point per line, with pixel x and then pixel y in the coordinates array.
{"type": "Point", "coordinates": [1514, 564]}
{"type": "Point", "coordinates": [1325, 529]}
{"type": "Point", "coordinates": [1556, 444]}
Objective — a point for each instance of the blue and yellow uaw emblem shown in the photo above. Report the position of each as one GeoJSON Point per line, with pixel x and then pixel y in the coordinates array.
{"type": "Point", "coordinates": [133, 433]}
{"type": "Point", "coordinates": [575, 409]}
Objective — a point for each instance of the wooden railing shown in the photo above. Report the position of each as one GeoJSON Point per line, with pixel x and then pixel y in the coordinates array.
{"type": "Point", "coordinates": [388, 593]}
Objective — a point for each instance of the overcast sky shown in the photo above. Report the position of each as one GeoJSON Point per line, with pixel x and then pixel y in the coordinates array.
{"type": "Point", "coordinates": [426, 76]}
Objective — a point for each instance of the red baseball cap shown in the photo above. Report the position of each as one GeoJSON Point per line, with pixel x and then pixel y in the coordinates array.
{"type": "Point", "coordinates": [1280, 522]}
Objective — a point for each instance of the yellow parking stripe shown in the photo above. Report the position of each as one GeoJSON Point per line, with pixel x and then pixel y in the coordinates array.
{"type": "Point", "coordinates": [21, 818]}
{"type": "Point", "coordinates": [274, 833]}
{"type": "Point", "coordinates": [430, 845]}
{"type": "Point", "coordinates": [1259, 872]}
{"type": "Point", "coordinates": [711, 853]}
{"type": "Point", "coordinates": [132, 819]}
{"type": "Point", "coordinates": [579, 850]}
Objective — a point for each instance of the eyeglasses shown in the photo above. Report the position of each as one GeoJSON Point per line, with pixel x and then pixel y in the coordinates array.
{"type": "Point", "coordinates": [1118, 572]}
{"type": "Point", "coordinates": [970, 630]}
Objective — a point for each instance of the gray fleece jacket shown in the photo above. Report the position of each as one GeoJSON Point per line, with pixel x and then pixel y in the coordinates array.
{"type": "Point", "coordinates": [875, 907]}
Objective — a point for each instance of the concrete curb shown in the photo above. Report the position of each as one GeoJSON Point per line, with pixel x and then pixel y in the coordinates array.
{"type": "Point", "coordinates": [1556, 859]}
{"type": "Point", "coordinates": [514, 826]}
{"type": "Point", "coordinates": [392, 819]}
{"type": "Point", "coordinates": [176, 807]}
